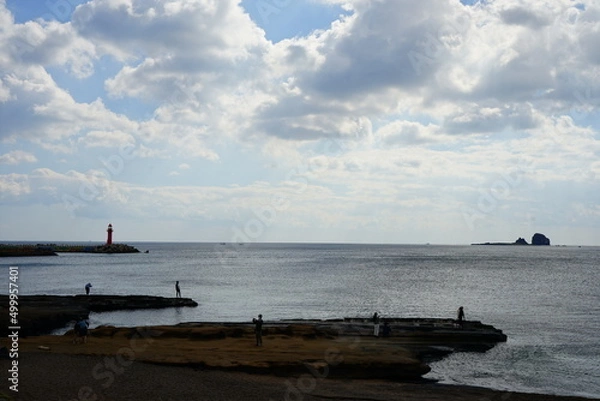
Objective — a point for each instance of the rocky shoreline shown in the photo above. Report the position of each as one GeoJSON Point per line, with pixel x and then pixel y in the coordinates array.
{"type": "Point", "coordinates": [300, 360]}
{"type": "Point", "coordinates": [411, 342]}
{"type": "Point", "coordinates": [333, 353]}
{"type": "Point", "coordinates": [402, 354]}
{"type": "Point", "coordinates": [345, 348]}
{"type": "Point", "coordinates": [41, 314]}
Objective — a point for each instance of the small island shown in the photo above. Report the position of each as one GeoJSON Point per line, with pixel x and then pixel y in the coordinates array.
{"type": "Point", "coordinates": [537, 239]}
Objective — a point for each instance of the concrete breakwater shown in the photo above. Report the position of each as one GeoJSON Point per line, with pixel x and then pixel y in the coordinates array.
{"type": "Point", "coordinates": [16, 250]}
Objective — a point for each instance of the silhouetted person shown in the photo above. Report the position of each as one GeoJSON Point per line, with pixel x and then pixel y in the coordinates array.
{"type": "Point", "coordinates": [387, 330]}
{"type": "Point", "coordinates": [375, 324]}
{"type": "Point", "coordinates": [258, 330]}
{"type": "Point", "coordinates": [177, 290]}
{"type": "Point", "coordinates": [460, 316]}
{"type": "Point", "coordinates": [87, 288]}
{"type": "Point", "coordinates": [81, 331]}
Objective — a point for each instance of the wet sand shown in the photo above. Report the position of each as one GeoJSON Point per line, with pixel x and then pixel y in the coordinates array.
{"type": "Point", "coordinates": [77, 377]}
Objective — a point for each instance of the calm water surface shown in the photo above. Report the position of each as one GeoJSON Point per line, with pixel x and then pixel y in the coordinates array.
{"type": "Point", "coordinates": [546, 299]}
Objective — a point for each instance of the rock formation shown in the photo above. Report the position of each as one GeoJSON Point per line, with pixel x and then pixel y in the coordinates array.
{"type": "Point", "coordinates": [40, 314]}
{"type": "Point", "coordinates": [336, 348]}
{"type": "Point", "coordinates": [537, 239]}
{"type": "Point", "coordinates": [540, 239]}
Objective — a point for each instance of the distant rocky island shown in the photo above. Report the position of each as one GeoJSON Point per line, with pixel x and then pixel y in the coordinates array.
{"type": "Point", "coordinates": [537, 239]}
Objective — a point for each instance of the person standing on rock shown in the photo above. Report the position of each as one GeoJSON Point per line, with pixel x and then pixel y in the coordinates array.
{"type": "Point", "coordinates": [375, 324]}
{"type": "Point", "coordinates": [177, 290]}
{"type": "Point", "coordinates": [87, 288]}
{"type": "Point", "coordinates": [258, 330]}
{"type": "Point", "coordinates": [460, 315]}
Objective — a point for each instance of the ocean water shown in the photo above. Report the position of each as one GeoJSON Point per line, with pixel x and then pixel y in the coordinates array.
{"type": "Point", "coordinates": [546, 299]}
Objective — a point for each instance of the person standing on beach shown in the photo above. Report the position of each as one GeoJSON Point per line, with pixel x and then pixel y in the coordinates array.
{"type": "Point", "coordinates": [258, 330]}
{"type": "Point", "coordinates": [460, 316]}
{"type": "Point", "coordinates": [375, 324]}
{"type": "Point", "coordinates": [81, 331]}
{"type": "Point", "coordinates": [177, 290]}
{"type": "Point", "coordinates": [387, 330]}
{"type": "Point", "coordinates": [87, 288]}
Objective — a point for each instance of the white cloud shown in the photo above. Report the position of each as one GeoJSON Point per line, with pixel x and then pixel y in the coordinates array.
{"type": "Point", "coordinates": [13, 186]}
{"type": "Point", "coordinates": [177, 50]}
{"type": "Point", "coordinates": [40, 110]}
{"type": "Point", "coordinates": [402, 113]}
{"type": "Point", "coordinates": [45, 43]}
{"type": "Point", "coordinates": [410, 133]}
{"type": "Point", "coordinates": [107, 139]}
{"type": "Point", "coordinates": [17, 157]}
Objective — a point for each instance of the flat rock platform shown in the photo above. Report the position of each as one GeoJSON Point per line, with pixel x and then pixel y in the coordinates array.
{"type": "Point", "coordinates": [41, 314]}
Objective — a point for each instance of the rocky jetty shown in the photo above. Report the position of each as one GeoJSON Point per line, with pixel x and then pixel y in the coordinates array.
{"type": "Point", "coordinates": [112, 248]}
{"type": "Point", "coordinates": [25, 250]}
{"type": "Point", "coordinates": [52, 249]}
{"type": "Point", "coordinates": [41, 314]}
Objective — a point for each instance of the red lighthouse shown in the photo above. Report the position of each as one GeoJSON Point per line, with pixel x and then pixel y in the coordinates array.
{"type": "Point", "coordinates": [109, 230]}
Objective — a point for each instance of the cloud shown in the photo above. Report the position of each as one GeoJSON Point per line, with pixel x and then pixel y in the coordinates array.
{"type": "Point", "coordinates": [17, 157]}
{"type": "Point", "coordinates": [13, 186]}
{"type": "Point", "coordinates": [410, 133]}
{"type": "Point", "coordinates": [181, 167]}
{"type": "Point", "coordinates": [518, 15]}
{"type": "Point", "coordinates": [177, 50]}
{"type": "Point", "coordinates": [107, 139]}
{"type": "Point", "coordinates": [479, 119]}
{"type": "Point", "coordinates": [40, 110]}
{"type": "Point", "coordinates": [400, 113]}
{"type": "Point", "coordinates": [371, 51]}
{"type": "Point", "coordinates": [45, 43]}
{"type": "Point", "coordinates": [439, 60]}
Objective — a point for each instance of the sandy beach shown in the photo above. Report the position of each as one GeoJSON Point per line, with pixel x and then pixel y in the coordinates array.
{"type": "Point", "coordinates": [213, 362]}
{"type": "Point", "coordinates": [66, 377]}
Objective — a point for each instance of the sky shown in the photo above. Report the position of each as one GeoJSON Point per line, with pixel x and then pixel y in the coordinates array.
{"type": "Point", "coordinates": [360, 121]}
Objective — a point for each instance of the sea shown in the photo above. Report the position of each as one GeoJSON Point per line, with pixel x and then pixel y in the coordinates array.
{"type": "Point", "coordinates": [545, 299]}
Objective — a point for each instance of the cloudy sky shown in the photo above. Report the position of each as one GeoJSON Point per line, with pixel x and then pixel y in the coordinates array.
{"type": "Point", "coordinates": [380, 121]}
